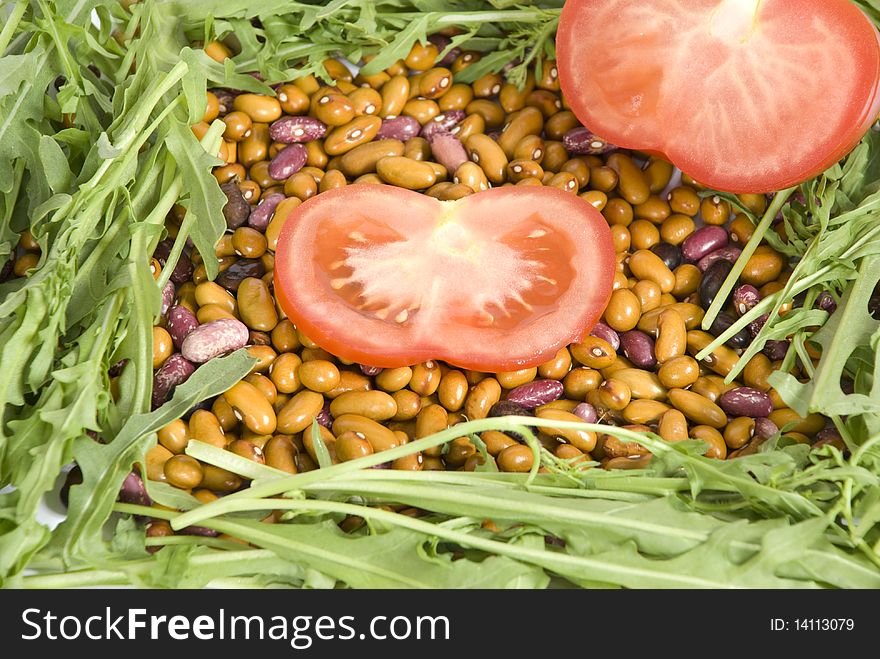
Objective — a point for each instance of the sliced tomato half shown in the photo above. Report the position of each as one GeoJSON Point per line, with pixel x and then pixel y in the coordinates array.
{"type": "Point", "coordinates": [743, 95]}
{"type": "Point", "coordinates": [496, 281]}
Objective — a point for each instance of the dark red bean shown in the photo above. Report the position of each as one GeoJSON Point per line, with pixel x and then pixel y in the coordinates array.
{"type": "Point", "coordinates": [183, 269]}
{"type": "Point", "coordinates": [116, 369]}
{"type": "Point", "coordinates": [828, 434]}
{"type": "Point", "coordinates": [213, 339]}
{"type": "Point", "coordinates": [638, 347]}
{"type": "Point", "coordinates": [74, 477]}
{"type": "Point", "coordinates": [262, 214]}
{"type": "Point", "coordinates": [826, 302]}
{"type": "Point", "coordinates": [237, 209]}
{"type": "Point", "coordinates": [176, 370]}
{"type": "Point", "coordinates": [725, 253]}
{"type": "Point", "coordinates": [582, 141]}
{"type": "Point", "coordinates": [670, 254]}
{"type": "Point", "coordinates": [509, 408]}
{"type": "Point", "coordinates": [745, 297]}
{"type": "Point", "coordinates": [538, 392]}
{"type": "Point", "coordinates": [225, 99]}
{"type": "Point", "coordinates": [703, 241]}
{"type": "Point", "coordinates": [398, 128]}
{"type": "Point", "coordinates": [722, 323]}
{"type": "Point", "coordinates": [448, 151]}
{"type": "Point", "coordinates": [442, 123]}
{"type": "Point", "coordinates": [292, 130]}
{"type": "Point", "coordinates": [231, 278]}
{"type": "Point", "coordinates": [757, 325]}
{"type": "Point", "coordinates": [442, 41]}
{"type": "Point", "coordinates": [602, 331]}
{"type": "Point", "coordinates": [199, 530]}
{"type": "Point", "coordinates": [712, 281]}
{"type": "Point", "coordinates": [181, 321]}
{"type": "Point", "coordinates": [370, 370]}
{"type": "Point", "coordinates": [775, 350]}
{"type": "Point", "coordinates": [745, 401]}
{"type": "Point", "coordinates": [586, 412]}
{"type": "Point", "coordinates": [288, 162]}
{"type": "Point", "coordinates": [133, 491]}
{"type": "Point", "coordinates": [324, 417]}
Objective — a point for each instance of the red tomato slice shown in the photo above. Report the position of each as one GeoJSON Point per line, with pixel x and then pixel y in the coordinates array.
{"type": "Point", "coordinates": [496, 281]}
{"type": "Point", "coordinates": [743, 95]}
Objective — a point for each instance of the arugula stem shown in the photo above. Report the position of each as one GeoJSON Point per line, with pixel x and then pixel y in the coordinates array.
{"type": "Point", "coordinates": [12, 24]}
{"type": "Point", "coordinates": [727, 287]}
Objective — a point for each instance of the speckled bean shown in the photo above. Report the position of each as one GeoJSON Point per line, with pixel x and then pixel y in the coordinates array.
{"type": "Point", "coordinates": [214, 339]}
{"type": "Point", "coordinates": [745, 297]}
{"type": "Point", "coordinates": [509, 408]}
{"type": "Point", "coordinates": [448, 151]}
{"type": "Point", "coordinates": [183, 270]}
{"type": "Point", "coordinates": [702, 242]}
{"type": "Point", "coordinates": [745, 401]}
{"type": "Point", "coordinates": [176, 370]}
{"type": "Point", "coordinates": [324, 417]}
{"type": "Point", "coordinates": [292, 130]}
{"type": "Point", "coordinates": [638, 347]}
{"type": "Point", "coordinates": [602, 331]}
{"type": "Point", "coordinates": [181, 321]}
{"type": "Point", "coordinates": [765, 428]}
{"type": "Point", "coordinates": [133, 491]}
{"type": "Point", "coordinates": [262, 214]}
{"type": "Point", "coordinates": [442, 123]}
{"type": "Point", "coordinates": [582, 141]}
{"type": "Point", "coordinates": [398, 128]}
{"type": "Point", "coordinates": [370, 371]}
{"type": "Point", "coordinates": [535, 393]}
{"type": "Point", "coordinates": [231, 278]}
{"type": "Point", "coordinates": [586, 412]}
{"type": "Point", "coordinates": [288, 162]}
{"type": "Point", "coordinates": [168, 293]}
{"type": "Point", "coordinates": [724, 254]}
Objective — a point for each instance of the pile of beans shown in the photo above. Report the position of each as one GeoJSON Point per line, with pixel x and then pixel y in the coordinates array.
{"type": "Point", "coordinates": [413, 126]}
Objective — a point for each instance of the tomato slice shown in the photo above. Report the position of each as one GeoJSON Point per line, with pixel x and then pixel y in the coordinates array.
{"type": "Point", "coordinates": [743, 95]}
{"type": "Point", "coordinates": [496, 281]}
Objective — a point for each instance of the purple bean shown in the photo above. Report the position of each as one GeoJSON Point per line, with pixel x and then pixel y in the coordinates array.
{"type": "Point", "coordinates": [116, 370]}
{"type": "Point", "coordinates": [183, 269]}
{"type": "Point", "coordinates": [237, 210]}
{"type": "Point", "coordinates": [168, 293]}
{"type": "Point", "coordinates": [757, 324]}
{"type": "Point", "coordinates": [703, 241]}
{"type": "Point", "coordinates": [133, 491]}
{"type": "Point", "coordinates": [324, 417]}
{"type": "Point", "coordinates": [582, 141]}
{"type": "Point", "coordinates": [670, 254]}
{"type": "Point", "coordinates": [6, 270]}
{"type": "Point", "coordinates": [586, 412]}
{"type": "Point", "coordinates": [442, 42]}
{"type": "Point", "coordinates": [203, 531]}
{"type": "Point", "coordinates": [712, 281]}
{"type": "Point", "coordinates": [745, 401]}
{"type": "Point", "coordinates": [398, 128]}
{"type": "Point", "coordinates": [826, 302]}
{"type": "Point", "coordinates": [370, 371]}
{"type": "Point", "coordinates": [775, 350]}
{"type": "Point", "coordinates": [176, 370]}
{"type": "Point", "coordinates": [509, 408]}
{"type": "Point", "coordinates": [724, 254]}
{"type": "Point", "coordinates": [745, 297]}
{"type": "Point", "coordinates": [448, 151]}
{"type": "Point", "coordinates": [297, 129]}
{"type": "Point", "coordinates": [602, 331]}
{"type": "Point", "coordinates": [638, 347]}
{"type": "Point", "coordinates": [765, 428]}
{"type": "Point", "coordinates": [225, 99]}
{"type": "Point", "coordinates": [723, 321]}
{"type": "Point", "coordinates": [442, 123]}
{"type": "Point", "coordinates": [264, 211]}
{"type": "Point", "coordinates": [538, 392]}
{"type": "Point", "coordinates": [231, 278]}
{"type": "Point", "coordinates": [181, 321]}
{"type": "Point", "coordinates": [214, 339]}
{"type": "Point", "coordinates": [288, 162]}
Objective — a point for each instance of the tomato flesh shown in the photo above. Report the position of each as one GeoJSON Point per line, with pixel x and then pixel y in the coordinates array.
{"type": "Point", "coordinates": [743, 95]}
{"type": "Point", "coordinates": [496, 281]}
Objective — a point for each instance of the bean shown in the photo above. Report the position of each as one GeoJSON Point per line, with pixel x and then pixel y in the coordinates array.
{"type": "Point", "coordinates": [380, 437]}
{"type": "Point", "coordinates": [183, 471]}
{"type": "Point", "coordinates": [349, 381]}
{"type": "Point", "coordinates": [431, 419]}
{"type": "Point", "coordinates": [623, 311]}
{"type": "Point", "coordinates": [679, 372]}
{"type": "Point", "coordinates": [163, 346]}
{"type": "Point", "coordinates": [638, 347]}
{"type": "Point", "coordinates": [513, 379]}
{"type": "Point", "coordinates": [703, 241]}
{"type": "Point", "coordinates": [633, 185]}
{"type": "Point", "coordinates": [290, 130]}
{"type": "Point", "coordinates": [721, 360]}
{"type": "Point", "coordinates": [481, 398]}
{"type": "Point", "coordinates": [533, 394]}
{"type": "Point", "coordinates": [264, 109]}
{"type": "Point", "coordinates": [231, 278]}
{"type": "Point", "coordinates": [684, 200]}
{"type": "Point", "coordinates": [582, 141]}
{"type": "Point", "coordinates": [712, 281]}
{"type": "Point", "coordinates": [594, 352]}
{"type": "Point", "coordinates": [644, 235]}
{"type": "Point", "coordinates": [260, 216]}
{"type": "Point", "coordinates": [183, 270]}
{"type": "Point", "coordinates": [582, 439]}
{"type": "Point", "coordinates": [764, 266]}
{"type": "Point", "coordinates": [616, 448]}
{"type": "Point", "coordinates": [739, 432]}
{"type": "Point", "coordinates": [395, 93]}
{"type": "Point", "coordinates": [174, 436]}
{"type": "Point", "coordinates": [399, 128]}
{"type": "Point", "coordinates": [249, 243]}
{"type": "Point", "coordinates": [176, 370]}
{"type": "Point", "coordinates": [351, 446]}
{"type": "Point", "coordinates": [280, 453]}
{"type": "Point", "coordinates": [527, 122]}
{"type": "Point", "coordinates": [698, 408]}
{"type": "Point", "coordinates": [299, 412]}
{"type": "Point", "coordinates": [359, 130]}
{"type": "Point", "coordinates": [376, 405]}
{"type": "Point", "coordinates": [516, 458]}
{"type": "Point", "coordinates": [717, 447]}
{"type": "Point", "coordinates": [288, 162]}
{"type": "Point", "coordinates": [488, 155]}
{"type": "Point", "coordinates": [613, 394]}
{"type": "Point", "coordinates": [765, 428]}
{"type": "Point", "coordinates": [181, 321]}
{"type": "Point", "coordinates": [671, 336]}
{"type": "Point", "coordinates": [808, 425]}
{"type": "Point", "coordinates": [236, 210]}
{"type": "Point", "coordinates": [691, 313]}
{"type": "Point", "coordinates": [214, 339]}
{"type": "Point", "coordinates": [673, 426]}
{"type": "Point", "coordinates": [405, 172]}
{"type": "Point", "coordinates": [492, 114]}
{"type": "Point", "coordinates": [645, 264]}
{"type": "Point", "coordinates": [456, 98]}
{"type": "Point", "coordinates": [509, 408]}
{"type": "Point", "coordinates": [256, 307]}
{"type": "Point", "coordinates": [449, 151]}
{"type": "Point", "coordinates": [442, 123]}
{"type": "Point", "coordinates": [740, 340]}
{"type": "Point", "coordinates": [669, 254]}
{"type": "Point", "coordinates": [319, 375]}
{"type": "Point", "coordinates": [745, 297]}
{"type": "Point", "coordinates": [725, 253]}
{"type": "Point", "coordinates": [586, 412]}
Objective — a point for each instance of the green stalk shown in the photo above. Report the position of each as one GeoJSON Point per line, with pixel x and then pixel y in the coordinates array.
{"type": "Point", "coordinates": [12, 24]}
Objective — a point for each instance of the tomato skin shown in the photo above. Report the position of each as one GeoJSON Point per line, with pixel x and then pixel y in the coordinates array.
{"type": "Point", "coordinates": [743, 109]}
{"type": "Point", "coordinates": [496, 281]}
